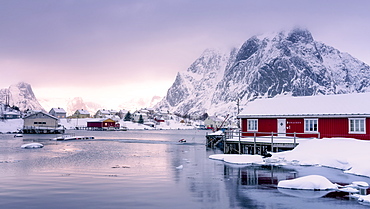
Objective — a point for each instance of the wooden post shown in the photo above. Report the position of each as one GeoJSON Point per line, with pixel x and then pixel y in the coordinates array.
{"type": "Point", "coordinates": [239, 145]}
{"type": "Point", "coordinates": [254, 148]}
{"type": "Point", "coordinates": [272, 141]}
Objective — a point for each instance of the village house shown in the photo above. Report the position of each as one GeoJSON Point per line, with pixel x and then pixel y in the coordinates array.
{"type": "Point", "coordinates": [6, 112]}
{"type": "Point", "coordinates": [102, 124]}
{"type": "Point", "coordinates": [122, 113]}
{"type": "Point", "coordinates": [40, 122]}
{"type": "Point", "coordinates": [81, 113]}
{"type": "Point", "coordinates": [58, 112]}
{"type": "Point", "coordinates": [213, 122]}
{"type": "Point", "coordinates": [136, 116]}
{"type": "Point", "coordinates": [104, 113]}
{"type": "Point", "coordinates": [344, 115]}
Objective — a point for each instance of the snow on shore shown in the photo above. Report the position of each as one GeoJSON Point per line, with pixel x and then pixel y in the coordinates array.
{"type": "Point", "coordinates": [14, 125]}
{"type": "Point", "coordinates": [349, 155]}
{"type": "Point", "coordinates": [11, 125]}
{"type": "Point", "coordinates": [82, 122]}
{"type": "Point", "coordinates": [238, 159]}
{"type": "Point", "coordinates": [346, 154]}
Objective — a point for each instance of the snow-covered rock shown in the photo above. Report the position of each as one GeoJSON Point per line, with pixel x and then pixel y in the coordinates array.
{"type": "Point", "coordinates": [311, 182]}
{"type": "Point", "coordinates": [32, 146]}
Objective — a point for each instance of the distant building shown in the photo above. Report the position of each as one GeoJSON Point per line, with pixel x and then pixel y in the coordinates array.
{"type": "Point", "coordinates": [103, 114]}
{"type": "Point", "coordinates": [136, 116]}
{"type": "Point", "coordinates": [103, 124]}
{"type": "Point", "coordinates": [40, 122]}
{"type": "Point", "coordinates": [213, 122]}
{"type": "Point", "coordinates": [81, 114]}
{"type": "Point", "coordinates": [7, 112]}
{"type": "Point", "coordinates": [58, 112]}
{"type": "Point", "coordinates": [122, 113]}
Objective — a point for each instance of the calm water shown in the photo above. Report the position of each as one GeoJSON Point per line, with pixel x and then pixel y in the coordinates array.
{"type": "Point", "coordinates": [137, 169]}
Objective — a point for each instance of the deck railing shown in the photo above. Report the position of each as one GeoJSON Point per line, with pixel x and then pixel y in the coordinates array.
{"type": "Point", "coordinates": [231, 134]}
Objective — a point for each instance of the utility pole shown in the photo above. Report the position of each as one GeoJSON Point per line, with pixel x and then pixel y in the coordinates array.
{"type": "Point", "coordinates": [238, 105]}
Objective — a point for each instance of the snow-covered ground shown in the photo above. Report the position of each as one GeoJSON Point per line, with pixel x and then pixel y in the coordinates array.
{"type": "Point", "coordinates": [14, 125]}
{"type": "Point", "coordinates": [82, 122]}
{"type": "Point", "coordinates": [349, 155]}
{"type": "Point", "coordinates": [11, 125]}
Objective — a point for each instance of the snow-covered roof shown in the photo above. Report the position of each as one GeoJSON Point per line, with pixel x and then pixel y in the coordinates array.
{"type": "Point", "coordinates": [58, 110]}
{"type": "Point", "coordinates": [83, 112]}
{"type": "Point", "coordinates": [99, 120]}
{"type": "Point", "coordinates": [339, 105]}
{"type": "Point", "coordinates": [45, 114]}
{"type": "Point", "coordinates": [104, 112]}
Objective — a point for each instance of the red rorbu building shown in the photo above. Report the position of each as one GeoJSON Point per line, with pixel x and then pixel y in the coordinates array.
{"type": "Point", "coordinates": [324, 116]}
{"type": "Point", "coordinates": [102, 123]}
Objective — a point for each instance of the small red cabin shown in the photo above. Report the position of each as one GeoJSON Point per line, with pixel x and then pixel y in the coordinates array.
{"type": "Point", "coordinates": [102, 123]}
{"type": "Point", "coordinates": [324, 116]}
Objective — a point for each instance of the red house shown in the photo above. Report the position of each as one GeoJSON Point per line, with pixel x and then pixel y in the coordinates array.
{"type": "Point", "coordinates": [324, 116]}
{"type": "Point", "coordinates": [102, 123]}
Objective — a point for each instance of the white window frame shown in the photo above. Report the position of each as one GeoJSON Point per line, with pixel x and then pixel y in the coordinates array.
{"type": "Point", "coordinates": [357, 125]}
{"type": "Point", "coordinates": [252, 124]}
{"type": "Point", "coordinates": [309, 125]}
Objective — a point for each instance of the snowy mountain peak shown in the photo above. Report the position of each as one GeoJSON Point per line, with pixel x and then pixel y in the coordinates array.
{"type": "Point", "coordinates": [283, 63]}
{"type": "Point", "coordinates": [300, 35]}
{"type": "Point", "coordinates": [20, 95]}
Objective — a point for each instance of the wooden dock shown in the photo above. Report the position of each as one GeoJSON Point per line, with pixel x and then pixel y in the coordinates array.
{"type": "Point", "coordinates": [235, 143]}
{"type": "Point", "coordinates": [67, 137]}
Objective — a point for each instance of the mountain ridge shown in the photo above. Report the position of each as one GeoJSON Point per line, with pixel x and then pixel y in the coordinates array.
{"type": "Point", "coordinates": [282, 63]}
{"type": "Point", "coordinates": [20, 95]}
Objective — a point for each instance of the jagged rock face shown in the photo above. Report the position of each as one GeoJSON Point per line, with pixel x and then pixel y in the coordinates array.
{"type": "Point", "coordinates": [22, 96]}
{"type": "Point", "coordinates": [191, 90]}
{"type": "Point", "coordinates": [288, 63]}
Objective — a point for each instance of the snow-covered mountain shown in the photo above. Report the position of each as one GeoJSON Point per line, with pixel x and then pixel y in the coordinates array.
{"type": "Point", "coordinates": [20, 95]}
{"type": "Point", "coordinates": [283, 63]}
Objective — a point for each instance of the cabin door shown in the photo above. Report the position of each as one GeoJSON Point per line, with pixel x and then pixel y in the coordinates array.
{"type": "Point", "coordinates": [281, 127]}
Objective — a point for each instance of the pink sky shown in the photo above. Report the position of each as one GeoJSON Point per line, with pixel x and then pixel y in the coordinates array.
{"type": "Point", "coordinates": [116, 51]}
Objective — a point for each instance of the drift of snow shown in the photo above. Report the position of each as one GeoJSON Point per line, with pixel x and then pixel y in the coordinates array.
{"type": "Point", "coordinates": [11, 125]}
{"type": "Point", "coordinates": [311, 182]}
{"type": "Point", "coordinates": [341, 153]}
{"type": "Point", "coordinates": [238, 159]}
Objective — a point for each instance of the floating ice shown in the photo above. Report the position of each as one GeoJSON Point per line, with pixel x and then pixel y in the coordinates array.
{"type": "Point", "coordinates": [180, 167]}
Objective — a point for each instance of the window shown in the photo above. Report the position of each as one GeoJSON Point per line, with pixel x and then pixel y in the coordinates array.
{"type": "Point", "coordinates": [311, 125]}
{"type": "Point", "coordinates": [357, 125]}
{"type": "Point", "coordinates": [252, 125]}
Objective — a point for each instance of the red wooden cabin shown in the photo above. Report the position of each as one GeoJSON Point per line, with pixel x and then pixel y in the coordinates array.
{"type": "Point", "coordinates": [324, 116]}
{"type": "Point", "coordinates": [102, 123]}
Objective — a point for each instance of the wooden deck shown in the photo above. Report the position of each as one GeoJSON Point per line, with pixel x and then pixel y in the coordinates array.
{"type": "Point", "coordinates": [235, 143]}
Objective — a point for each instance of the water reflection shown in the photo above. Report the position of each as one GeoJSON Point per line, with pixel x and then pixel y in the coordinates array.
{"type": "Point", "coordinates": [304, 193]}
{"type": "Point", "coordinates": [258, 175]}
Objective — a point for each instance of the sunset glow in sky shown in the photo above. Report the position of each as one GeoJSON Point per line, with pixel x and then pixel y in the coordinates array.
{"type": "Point", "coordinates": [113, 52]}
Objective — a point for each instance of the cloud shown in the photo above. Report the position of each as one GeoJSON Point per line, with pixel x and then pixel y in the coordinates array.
{"type": "Point", "coordinates": [111, 44]}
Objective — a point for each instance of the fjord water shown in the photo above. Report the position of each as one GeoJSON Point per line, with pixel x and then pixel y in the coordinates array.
{"type": "Point", "coordinates": [140, 169]}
